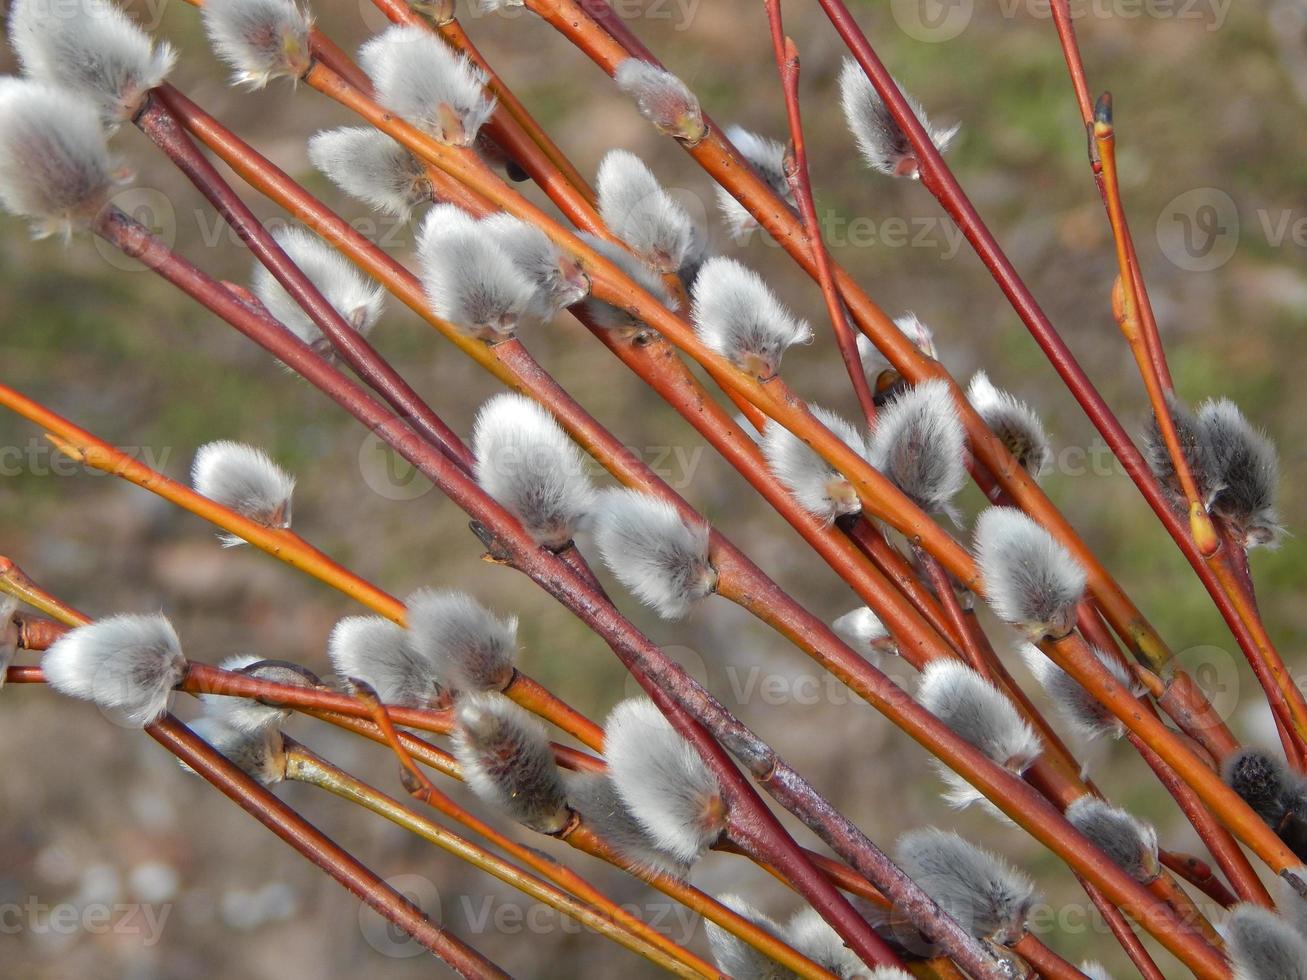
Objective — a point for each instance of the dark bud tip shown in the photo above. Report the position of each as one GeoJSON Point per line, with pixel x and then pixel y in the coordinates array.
{"type": "Point", "coordinates": [1103, 110]}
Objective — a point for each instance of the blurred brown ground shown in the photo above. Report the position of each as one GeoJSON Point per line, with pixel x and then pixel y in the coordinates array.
{"type": "Point", "coordinates": [1208, 97]}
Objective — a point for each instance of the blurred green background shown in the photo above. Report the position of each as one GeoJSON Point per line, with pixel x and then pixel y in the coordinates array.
{"type": "Point", "coordinates": [1211, 100]}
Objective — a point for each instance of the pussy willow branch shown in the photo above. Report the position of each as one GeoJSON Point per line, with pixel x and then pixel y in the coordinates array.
{"type": "Point", "coordinates": [787, 66]}
{"type": "Point", "coordinates": [282, 543]}
{"type": "Point", "coordinates": [162, 128]}
{"type": "Point", "coordinates": [610, 922]}
{"type": "Point", "coordinates": [1283, 695]}
{"type": "Point", "coordinates": [283, 821]}
{"type": "Point", "coordinates": [757, 825]}
{"type": "Point", "coordinates": [939, 179]}
{"type": "Point", "coordinates": [723, 163]}
{"type": "Point", "coordinates": [296, 831]}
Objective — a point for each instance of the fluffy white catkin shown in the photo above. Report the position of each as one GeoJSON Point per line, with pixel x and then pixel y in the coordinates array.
{"type": "Point", "coordinates": [246, 714]}
{"type": "Point", "coordinates": [89, 47]}
{"type": "Point", "coordinates": [371, 167]}
{"type": "Point", "coordinates": [358, 300]}
{"type": "Point", "coordinates": [1014, 422]}
{"type": "Point", "coordinates": [54, 164]}
{"type": "Point", "coordinates": [377, 652]}
{"type": "Point", "coordinates": [653, 551]}
{"type": "Point", "coordinates": [1080, 709]}
{"type": "Point", "coordinates": [881, 140]}
{"type": "Point", "coordinates": [863, 630]}
{"type": "Point", "coordinates": [528, 463]}
{"type": "Point", "coordinates": [609, 317]}
{"type": "Point", "coordinates": [128, 664]}
{"type": "Point", "coordinates": [662, 98]}
{"type": "Point", "coordinates": [468, 646]}
{"type": "Point", "coordinates": [595, 799]}
{"type": "Point", "coordinates": [1263, 946]}
{"type": "Point", "coordinates": [920, 446]}
{"type": "Point", "coordinates": [469, 278]}
{"type": "Point", "coordinates": [1128, 841]}
{"type": "Point", "coordinates": [419, 77]}
{"type": "Point", "coordinates": [508, 762]}
{"type": "Point", "coordinates": [1248, 469]}
{"type": "Point", "coordinates": [1031, 580]}
{"type": "Point", "coordinates": [985, 894]}
{"type": "Point", "coordinates": [637, 210]}
{"type": "Point", "coordinates": [662, 780]}
{"type": "Point", "coordinates": [246, 480]}
{"type": "Point", "coordinates": [259, 39]}
{"type": "Point", "coordinates": [261, 755]}
{"type": "Point", "coordinates": [734, 956]}
{"type": "Point", "coordinates": [767, 157]}
{"type": "Point", "coordinates": [818, 487]}
{"type": "Point", "coordinates": [558, 278]}
{"type": "Point", "coordinates": [738, 316]}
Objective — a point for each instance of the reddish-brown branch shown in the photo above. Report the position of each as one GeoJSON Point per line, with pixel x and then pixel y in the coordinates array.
{"type": "Point", "coordinates": [787, 64]}
{"type": "Point", "coordinates": [319, 849]}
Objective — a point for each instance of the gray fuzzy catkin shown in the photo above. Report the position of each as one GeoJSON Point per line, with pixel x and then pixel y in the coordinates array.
{"type": "Point", "coordinates": [596, 801]}
{"type": "Point", "coordinates": [609, 317]}
{"type": "Point", "coordinates": [819, 488]}
{"type": "Point", "coordinates": [736, 315]}
{"type": "Point", "coordinates": [377, 652]}
{"type": "Point", "coordinates": [637, 209]}
{"type": "Point", "coordinates": [987, 896]}
{"type": "Point", "coordinates": [469, 279]}
{"type": "Point", "coordinates": [249, 715]}
{"type": "Point", "coordinates": [662, 780]}
{"type": "Point", "coordinates": [244, 479]}
{"type": "Point", "coordinates": [508, 762]}
{"type": "Point", "coordinates": [1128, 841]}
{"type": "Point", "coordinates": [1014, 422]}
{"type": "Point", "coordinates": [260, 754]}
{"type": "Point", "coordinates": [259, 39]}
{"type": "Point", "coordinates": [662, 98]}
{"type": "Point", "coordinates": [767, 157]}
{"type": "Point", "coordinates": [127, 664]}
{"type": "Point", "coordinates": [469, 647]}
{"type": "Point", "coordinates": [92, 48]}
{"type": "Point", "coordinates": [1263, 946]}
{"type": "Point", "coordinates": [1248, 468]}
{"type": "Point", "coordinates": [920, 446]}
{"type": "Point", "coordinates": [1089, 717]}
{"type": "Point", "coordinates": [357, 299]}
{"type": "Point", "coordinates": [882, 142]}
{"type": "Point", "coordinates": [659, 556]}
{"type": "Point", "coordinates": [528, 463]}
{"type": "Point", "coordinates": [372, 168]}
{"type": "Point", "coordinates": [54, 163]}
{"type": "Point", "coordinates": [1031, 580]}
{"type": "Point", "coordinates": [734, 956]}
{"type": "Point", "coordinates": [558, 278]}
{"type": "Point", "coordinates": [863, 630]}
{"type": "Point", "coordinates": [433, 87]}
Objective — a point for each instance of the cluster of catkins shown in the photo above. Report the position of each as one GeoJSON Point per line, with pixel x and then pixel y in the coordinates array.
{"type": "Point", "coordinates": [656, 804]}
